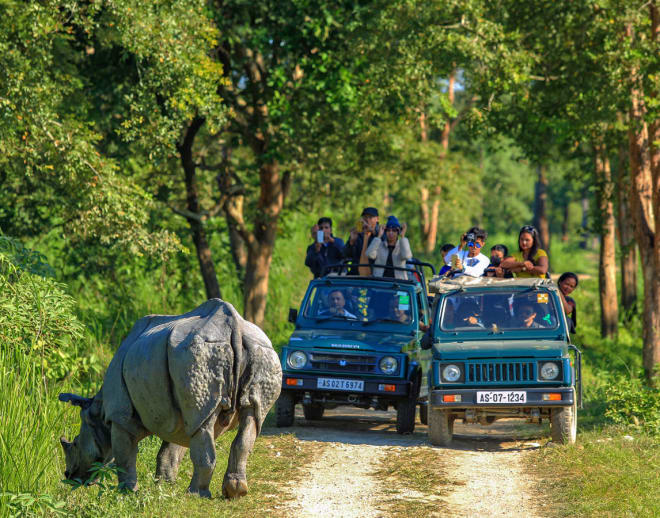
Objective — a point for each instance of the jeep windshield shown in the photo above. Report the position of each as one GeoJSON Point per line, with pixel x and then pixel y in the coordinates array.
{"type": "Point", "coordinates": [499, 311]}
{"type": "Point", "coordinates": [368, 306]}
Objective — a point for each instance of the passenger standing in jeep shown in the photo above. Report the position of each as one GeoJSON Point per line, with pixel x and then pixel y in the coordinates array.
{"type": "Point", "coordinates": [361, 237]}
{"type": "Point", "coordinates": [394, 250]}
{"type": "Point", "coordinates": [326, 249]}
{"type": "Point", "coordinates": [471, 261]}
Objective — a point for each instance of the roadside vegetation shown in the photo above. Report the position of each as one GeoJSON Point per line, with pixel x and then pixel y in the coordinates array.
{"type": "Point", "coordinates": [612, 470]}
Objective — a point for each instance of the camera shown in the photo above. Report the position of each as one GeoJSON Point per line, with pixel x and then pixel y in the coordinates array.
{"type": "Point", "coordinates": [496, 260]}
{"type": "Point", "coordinates": [470, 237]}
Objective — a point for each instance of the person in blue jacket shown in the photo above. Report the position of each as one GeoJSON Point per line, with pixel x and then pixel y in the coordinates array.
{"type": "Point", "coordinates": [326, 249]}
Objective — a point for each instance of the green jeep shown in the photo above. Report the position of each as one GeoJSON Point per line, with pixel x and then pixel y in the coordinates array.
{"type": "Point", "coordinates": [357, 343]}
{"type": "Point", "coordinates": [501, 349]}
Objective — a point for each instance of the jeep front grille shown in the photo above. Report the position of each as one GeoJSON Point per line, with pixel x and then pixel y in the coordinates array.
{"type": "Point", "coordinates": [343, 362]}
{"type": "Point", "coordinates": [500, 372]}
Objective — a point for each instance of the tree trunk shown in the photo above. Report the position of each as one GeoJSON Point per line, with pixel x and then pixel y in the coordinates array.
{"type": "Point", "coordinates": [448, 125]}
{"type": "Point", "coordinates": [233, 195]}
{"type": "Point", "coordinates": [626, 235]}
{"type": "Point", "coordinates": [566, 213]}
{"type": "Point", "coordinates": [261, 242]}
{"type": "Point", "coordinates": [645, 204]}
{"type": "Point", "coordinates": [540, 207]}
{"type": "Point", "coordinates": [194, 218]}
{"type": "Point", "coordinates": [609, 308]}
{"type": "Point", "coordinates": [584, 204]}
{"type": "Point", "coordinates": [432, 235]}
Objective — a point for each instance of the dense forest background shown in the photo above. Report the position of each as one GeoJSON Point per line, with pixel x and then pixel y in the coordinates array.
{"type": "Point", "coordinates": [155, 154]}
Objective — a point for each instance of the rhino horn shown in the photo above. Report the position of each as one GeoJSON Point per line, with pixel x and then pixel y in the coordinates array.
{"type": "Point", "coordinates": [75, 400]}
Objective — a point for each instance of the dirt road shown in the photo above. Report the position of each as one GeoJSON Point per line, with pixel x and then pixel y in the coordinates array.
{"type": "Point", "coordinates": [483, 470]}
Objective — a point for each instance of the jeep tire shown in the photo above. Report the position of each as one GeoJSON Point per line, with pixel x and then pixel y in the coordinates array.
{"type": "Point", "coordinates": [285, 409]}
{"type": "Point", "coordinates": [405, 415]}
{"type": "Point", "coordinates": [563, 424]}
{"type": "Point", "coordinates": [441, 427]}
{"type": "Point", "coordinates": [424, 413]}
{"type": "Point", "coordinates": [313, 411]}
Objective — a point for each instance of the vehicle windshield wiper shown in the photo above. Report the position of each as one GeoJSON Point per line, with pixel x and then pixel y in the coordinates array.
{"type": "Point", "coordinates": [367, 322]}
{"type": "Point", "coordinates": [330, 317]}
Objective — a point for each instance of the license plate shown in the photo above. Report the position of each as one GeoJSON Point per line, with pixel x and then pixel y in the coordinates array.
{"type": "Point", "coordinates": [338, 384]}
{"type": "Point", "coordinates": [501, 397]}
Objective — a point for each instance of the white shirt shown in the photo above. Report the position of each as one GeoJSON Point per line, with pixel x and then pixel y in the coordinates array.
{"type": "Point", "coordinates": [473, 266]}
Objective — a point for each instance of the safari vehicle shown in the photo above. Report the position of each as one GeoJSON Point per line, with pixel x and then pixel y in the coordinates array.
{"type": "Point", "coordinates": [357, 343]}
{"type": "Point", "coordinates": [501, 349]}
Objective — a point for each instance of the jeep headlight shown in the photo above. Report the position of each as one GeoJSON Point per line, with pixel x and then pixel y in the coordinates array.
{"type": "Point", "coordinates": [297, 360]}
{"type": "Point", "coordinates": [388, 365]}
{"type": "Point", "coordinates": [549, 370]}
{"type": "Point", "coordinates": [451, 373]}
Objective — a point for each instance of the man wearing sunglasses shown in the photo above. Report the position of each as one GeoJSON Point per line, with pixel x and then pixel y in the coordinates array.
{"type": "Point", "coordinates": [467, 258]}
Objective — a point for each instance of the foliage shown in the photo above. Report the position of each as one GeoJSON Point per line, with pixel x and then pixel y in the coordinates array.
{"type": "Point", "coordinates": [55, 170]}
{"type": "Point", "coordinates": [628, 402]}
{"type": "Point", "coordinates": [26, 504]}
{"type": "Point", "coordinates": [37, 317]}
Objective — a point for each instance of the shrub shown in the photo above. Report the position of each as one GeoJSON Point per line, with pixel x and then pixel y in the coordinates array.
{"type": "Point", "coordinates": [629, 402]}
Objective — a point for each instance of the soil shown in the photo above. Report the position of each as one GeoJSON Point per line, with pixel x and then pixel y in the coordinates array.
{"type": "Point", "coordinates": [484, 467]}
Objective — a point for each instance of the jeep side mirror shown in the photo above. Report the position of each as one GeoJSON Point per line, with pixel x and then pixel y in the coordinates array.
{"type": "Point", "coordinates": [293, 315]}
{"type": "Point", "coordinates": [427, 340]}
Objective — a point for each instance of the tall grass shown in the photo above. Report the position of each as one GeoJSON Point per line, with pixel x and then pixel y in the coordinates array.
{"type": "Point", "coordinates": [30, 417]}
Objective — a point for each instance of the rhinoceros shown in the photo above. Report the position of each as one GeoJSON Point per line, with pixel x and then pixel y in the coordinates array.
{"type": "Point", "coordinates": [186, 379]}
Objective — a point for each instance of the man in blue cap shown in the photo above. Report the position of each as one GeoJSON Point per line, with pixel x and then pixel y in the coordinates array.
{"type": "Point", "coordinates": [361, 236]}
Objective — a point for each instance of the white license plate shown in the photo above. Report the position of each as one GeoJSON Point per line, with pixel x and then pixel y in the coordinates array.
{"type": "Point", "coordinates": [501, 397]}
{"type": "Point", "coordinates": [337, 384]}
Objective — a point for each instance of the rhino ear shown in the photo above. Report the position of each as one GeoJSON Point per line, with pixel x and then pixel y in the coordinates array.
{"type": "Point", "coordinates": [65, 444]}
{"type": "Point", "coordinates": [75, 400]}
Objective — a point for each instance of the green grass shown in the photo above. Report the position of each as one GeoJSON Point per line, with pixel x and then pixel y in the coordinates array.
{"type": "Point", "coordinates": [604, 475]}
{"type": "Point", "coordinates": [274, 463]}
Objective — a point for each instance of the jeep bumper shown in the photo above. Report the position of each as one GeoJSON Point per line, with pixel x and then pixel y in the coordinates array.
{"type": "Point", "coordinates": [372, 386]}
{"type": "Point", "coordinates": [535, 397]}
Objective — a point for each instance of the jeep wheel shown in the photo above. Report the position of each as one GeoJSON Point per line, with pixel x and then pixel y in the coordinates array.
{"type": "Point", "coordinates": [285, 409]}
{"type": "Point", "coordinates": [441, 427]}
{"type": "Point", "coordinates": [313, 411]}
{"type": "Point", "coordinates": [405, 415]}
{"type": "Point", "coordinates": [424, 413]}
{"type": "Point", "coordinates": [563, 426]}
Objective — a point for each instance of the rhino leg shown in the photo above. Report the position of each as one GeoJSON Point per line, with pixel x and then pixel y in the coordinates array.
{"type": "Point", "coordinates": [124, 450]}
{"type": "Point", "coordinates": [235, 482]}
{"type": "Point", "coordinates": [202, 455]}
{"type": "Point", "coordinates": [168, 460]}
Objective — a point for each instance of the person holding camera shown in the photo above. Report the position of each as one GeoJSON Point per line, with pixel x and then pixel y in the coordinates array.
{"type": "Point", "coordinates": [497, 253]}
{"type": "Point", "coordinates": [530, 260]}
{"type": "Point", "coordinates": [362, 235]}
{"type": "Point", "coordinates": [394, 250]}
{"type": "Point", "coordinates": [326, 249]}
{"type": "Point", "coordinates": [469, 261]}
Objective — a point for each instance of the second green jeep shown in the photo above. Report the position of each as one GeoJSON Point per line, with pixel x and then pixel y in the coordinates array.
{"type": "Point", "coordinates": [501, 349]}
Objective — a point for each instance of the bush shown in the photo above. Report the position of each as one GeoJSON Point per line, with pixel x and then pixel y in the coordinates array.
{"type": "Point", "coordinates": [37, 317]}
{"type": "Point", "coordinates": [629, 402]}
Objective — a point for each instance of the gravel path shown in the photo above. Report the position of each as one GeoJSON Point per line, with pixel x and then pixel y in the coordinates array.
{"type": "Point", "coordinates": [484, 467]}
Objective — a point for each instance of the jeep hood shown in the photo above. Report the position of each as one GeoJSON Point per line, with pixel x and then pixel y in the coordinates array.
{"type": "Point", "coordinates": [350, 340]}
{"type": "Point", "coordinates": [499, 349]}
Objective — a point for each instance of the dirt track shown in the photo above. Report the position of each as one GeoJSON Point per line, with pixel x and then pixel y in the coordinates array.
{"type": "Point", "coordinates": [484, 467]}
